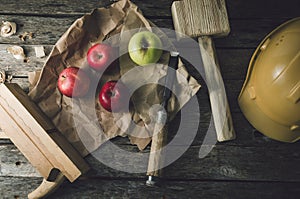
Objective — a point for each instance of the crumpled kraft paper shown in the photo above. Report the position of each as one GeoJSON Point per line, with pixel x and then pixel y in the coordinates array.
{"type": "Point", "coordinates": [86, 127]}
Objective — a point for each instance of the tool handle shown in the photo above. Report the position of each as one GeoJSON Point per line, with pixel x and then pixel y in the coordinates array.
{"type": "Point", "coordinates": [156, 155]}
{"type": "Point", "coordinates": [47, 187]}
{"type": "Point", "coordinates": [218, 100]}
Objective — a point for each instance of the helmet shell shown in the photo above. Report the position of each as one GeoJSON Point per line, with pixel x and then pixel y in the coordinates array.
{"type": "Point", "coordinates": [270, 97]}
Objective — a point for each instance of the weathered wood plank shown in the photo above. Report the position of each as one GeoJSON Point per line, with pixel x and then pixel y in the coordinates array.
{"type": "Point", "coordinates": [263, 9]}
{"type": "Point", "coordinates": [13, 163]}
{"type": "Point", "coordinates": [18, 67]}
{"type": "Point", "coordinates": [133, 188]}
{"type": "Point", "coordinates": [252, 166]}
{"type": "Point", "coordinates": [236, 9]}
{"type": "Point", "coordinates": [22, 82]}
{"type": "Point", "coordinates": [98, 188]}
{"type": "Point", "coordinates": [3, 136]}
{"type": "Point", "coordinates": [17, 188]}
{"type": "Point", "coordinates": [233, 62]}
{"type": "Point", "coordinates": [260, 162]}
{"type": "Point", "coordinates": [245, 33]}
{"type": "Point", "coordinates": [232, 87]}
{"type": "Point", "coordinates": [226, 162]}
{"type": "Point", "coordinates": [50, 7]}
{"type": "Point", "coordinates": [246, 134]}
{"type": "Point", "coordinates": [46, 30]}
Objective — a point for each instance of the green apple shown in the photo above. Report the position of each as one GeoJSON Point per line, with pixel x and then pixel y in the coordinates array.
{"type": "Point", "coordinates": [144, 48]}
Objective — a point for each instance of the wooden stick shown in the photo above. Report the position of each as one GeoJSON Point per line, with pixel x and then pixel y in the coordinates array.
{"type": "Point", "coordinates": [218, 100]}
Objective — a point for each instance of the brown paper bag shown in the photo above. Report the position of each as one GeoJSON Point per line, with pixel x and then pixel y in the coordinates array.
{"type": "Point", "coordinates": [70, 50]}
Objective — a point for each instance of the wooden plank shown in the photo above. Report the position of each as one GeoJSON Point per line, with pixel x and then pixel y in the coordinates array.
{"type": "Point", "coordinates": [262, 161]}
{"type": "Point", "coordinates": [247, 136]}
{"type": "Point", "coordinates": [133, 188]}
{"type": "Point", "coordinates": [252, 166]}
{"type": "Point", "coordinates": [17, 188]}
{"type": "Point", "coordinates": [246, 133]}
{"type": "Point", "coordinates": [98, 188]}
{"type": "Point", "coordinates": [236, 9]}
{"type": "Point", "coordinates": [17, 67]}
{"type": "Point", "coordinates": [234, 63]}
{"type": "Point", "coordinates": [230, 60]}
{"type": "Point", "coordinates": [233, 88]}
{"type": "Point", "coordinates": [22, 82]}
{"type": "Point", "coordinates": [47, 30]}
{"type": "Point", "coordinates": [3, 135]}
{"type": "Point", "coordinates": [225, 162]}
{"type": "Point", "coordinates": [263, 9]}
{"type": "Point", "coordinates": [13, 163]}
{"type": "Point", "coordinates": [49, 7]}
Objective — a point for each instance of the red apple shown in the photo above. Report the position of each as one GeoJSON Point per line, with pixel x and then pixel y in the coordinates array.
{"type": "Point", "coordinates": [100, 55]}
{"type": "Point", "coordinates": [73, 82]}
{"type": "Point", "coordinates": [113, 96]}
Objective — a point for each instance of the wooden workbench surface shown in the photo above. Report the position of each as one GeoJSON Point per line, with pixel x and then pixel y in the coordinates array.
{"type": "Point", "coordinates": [251, 166]}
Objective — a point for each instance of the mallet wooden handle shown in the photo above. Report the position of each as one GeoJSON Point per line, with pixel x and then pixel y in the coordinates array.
{"type": "Point", "coordinates": [218, 100]}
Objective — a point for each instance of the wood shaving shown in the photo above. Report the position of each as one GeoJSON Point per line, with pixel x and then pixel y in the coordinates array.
{"type": "Point", "coordinates": [8, 28]}
{"type": "Point", "coordinates": [26, 35]}
{"type": "Point", "coordinates": [2, 76]}
{"type": "Point", "coordinates": [39, 51]}
{"type": "Point", "coordinates": [17, 52]}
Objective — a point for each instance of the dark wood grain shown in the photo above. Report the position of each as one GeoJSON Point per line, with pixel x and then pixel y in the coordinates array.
{"type": "Point", "coordinates": [245, 33]}
{"type": "Point", "coordinates": [263, 162]}
{"type": "Point", "coordinates": [251, 166]}
{"type": "Point", "coordinates": [178, 189]}
{"type": "Point", "coordinates": [133, 188]}
{"type": "Point", "coordinates": [233, 62]}
{"type": "Point", "coordinates": [161, 8]}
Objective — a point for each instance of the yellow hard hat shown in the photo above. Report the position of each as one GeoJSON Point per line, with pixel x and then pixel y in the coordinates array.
{"type": "Point", "coordinates": [270, 97]}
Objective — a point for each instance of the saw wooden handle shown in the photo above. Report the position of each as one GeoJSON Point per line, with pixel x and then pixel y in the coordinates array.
{"type": "Point", "coordinates": [47, 187]}
{"type": "Point", "coordinates": [218, 100]}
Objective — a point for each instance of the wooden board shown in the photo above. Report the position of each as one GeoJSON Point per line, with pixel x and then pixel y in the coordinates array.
{"type": "Point", "coordinates": [135, 188]}
{"type": "Point", "coordinates": [252, 166]}
{"type": "Point", "coordinates": [3, 135]}
{"type": "Point", "coordinates": [236, 9]}
{"type": "Point", "coordinates": [253, 163]}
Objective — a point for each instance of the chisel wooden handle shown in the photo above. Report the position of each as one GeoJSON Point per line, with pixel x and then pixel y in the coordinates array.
{"type": "Point", "coordinates": [156, 155]}
{"type": "Point", "coordinates": [218, 100]}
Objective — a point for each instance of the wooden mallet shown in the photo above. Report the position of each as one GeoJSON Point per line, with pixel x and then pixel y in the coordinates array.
{"type": "Point", "coordinates": [203, 19]}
